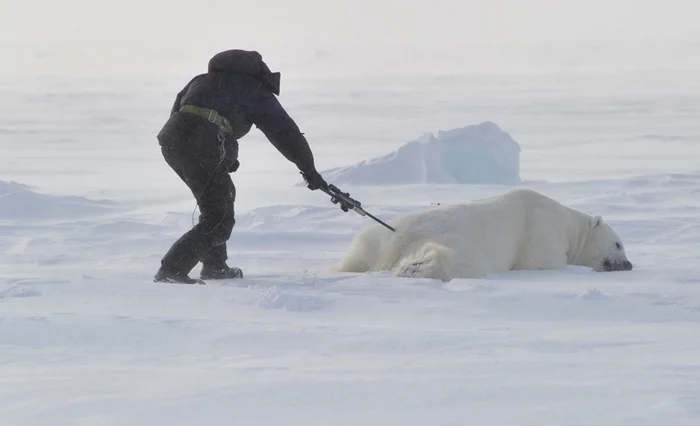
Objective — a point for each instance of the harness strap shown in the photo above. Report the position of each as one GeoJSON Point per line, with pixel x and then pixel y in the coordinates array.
{"type": "Point", "coordinates": [211, 116]}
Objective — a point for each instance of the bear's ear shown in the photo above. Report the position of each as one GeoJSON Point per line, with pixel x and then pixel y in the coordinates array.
{"type": "Point", "coordinates": [595, 221]}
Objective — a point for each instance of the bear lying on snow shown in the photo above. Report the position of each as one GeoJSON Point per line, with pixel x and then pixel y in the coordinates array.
{"type": "Point", "coordinates": [518, 230]}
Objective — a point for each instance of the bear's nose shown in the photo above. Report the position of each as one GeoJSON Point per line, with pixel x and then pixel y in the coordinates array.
{"type": "Point", "coordinates": [617, 265]}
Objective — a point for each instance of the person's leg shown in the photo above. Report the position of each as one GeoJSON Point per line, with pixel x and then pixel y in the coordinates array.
{"type": "Point", "coordinates": [214, 265]}
{"type": "Point", "coordinates": [215, 258]}
{"type": "Point", "coordinates": [214, 261]}
{"type": "Point", "coordinates": [212, 187]}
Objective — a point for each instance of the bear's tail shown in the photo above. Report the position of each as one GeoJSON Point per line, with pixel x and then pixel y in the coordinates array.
{"type": "Point", "coordinates": [357, 258]}
{"type": "Point", "coordinates": [353, 262]}
{"type": "Point", "coordinates": [431, 260]}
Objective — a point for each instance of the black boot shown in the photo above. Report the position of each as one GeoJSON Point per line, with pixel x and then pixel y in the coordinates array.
{"type": "Point", "coordinates": [220, 273]}
{"type": "Point", "coordinates": [214, 265]}
{"type": "Point", "coordinates": [172, 276]}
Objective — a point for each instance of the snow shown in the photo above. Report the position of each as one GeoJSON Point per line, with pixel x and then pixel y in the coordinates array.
{"type": "Point", "coordinates": [18, 201]}
{"type": "Point", "coordinates": [474, 154]}
{"type": "Point", "coordinates": [88, 207]}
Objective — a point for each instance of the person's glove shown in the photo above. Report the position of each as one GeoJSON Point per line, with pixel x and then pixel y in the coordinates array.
{"type": "Point", "coordinates": [314, 180]}
{"type": "Point", "coordinates": [233, 166]}
{"type": "Point", "coordinates": [231, 155]}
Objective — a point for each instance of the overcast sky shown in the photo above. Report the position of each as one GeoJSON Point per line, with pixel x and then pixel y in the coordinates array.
{"type": "Point", "coordinates": [360, 21]}
{"type": "Point", "coordinates": [44, 27]}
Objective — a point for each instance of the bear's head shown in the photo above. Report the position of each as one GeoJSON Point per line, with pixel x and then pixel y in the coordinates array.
{"type": "Point", "coordinates": [603, 250]}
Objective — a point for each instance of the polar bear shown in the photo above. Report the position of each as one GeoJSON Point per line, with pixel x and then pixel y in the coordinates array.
{"type": "Point", "coordinates": [520, 229]}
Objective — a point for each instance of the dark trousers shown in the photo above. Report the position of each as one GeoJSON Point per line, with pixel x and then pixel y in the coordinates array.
{"type": "Point", "coordinates": [198, 163]}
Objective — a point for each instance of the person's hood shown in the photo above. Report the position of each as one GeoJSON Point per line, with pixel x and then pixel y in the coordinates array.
{"type": "Point", "coordinates": [248, 63]}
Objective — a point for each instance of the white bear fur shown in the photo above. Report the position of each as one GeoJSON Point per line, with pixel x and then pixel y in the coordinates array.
{"type": "Point", "coordinates": [520, 229]}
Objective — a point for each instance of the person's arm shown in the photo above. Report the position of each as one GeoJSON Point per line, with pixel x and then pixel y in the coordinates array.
{"type": "Point", "coordinates": [176, 105]}
{"type": "Point", "coordinates": [284, 134]}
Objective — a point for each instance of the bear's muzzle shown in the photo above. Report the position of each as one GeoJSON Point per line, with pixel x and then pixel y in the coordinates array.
{"type": "Point", "coordinates": [617, 265]}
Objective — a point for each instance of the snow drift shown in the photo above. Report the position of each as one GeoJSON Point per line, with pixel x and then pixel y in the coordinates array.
{"type": "Point", "coordinates": [475, 154]}
{"type": "Point", "coordinates": [21, 202]}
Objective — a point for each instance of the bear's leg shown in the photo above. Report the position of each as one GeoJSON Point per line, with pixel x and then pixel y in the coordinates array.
{"type": "Point", "coordinates": [432, 261]}
{"type": "Point", "coordinates": [547, 242]}
{"type": "Point", "coordinates": [414, 269]}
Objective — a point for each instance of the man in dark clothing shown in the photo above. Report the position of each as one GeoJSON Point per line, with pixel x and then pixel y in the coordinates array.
{"type": "Point", "coordinates": [200, 143]}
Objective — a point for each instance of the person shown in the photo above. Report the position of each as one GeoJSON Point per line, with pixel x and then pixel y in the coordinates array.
{"type": "Point", "coordinates": [199, 141]}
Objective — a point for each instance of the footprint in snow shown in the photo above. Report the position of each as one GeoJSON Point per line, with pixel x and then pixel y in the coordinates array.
{"type": "Point", "coordinates": [18, 291]}
{"type": "Point", "coordinates": [594, 294]}
{"type": "Point", "coordinates": [274, 298]}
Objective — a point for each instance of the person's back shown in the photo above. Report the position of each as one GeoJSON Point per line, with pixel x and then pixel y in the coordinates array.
{"type": "Point", "coordinates": [240, 86]}
{"type": "Point", "coordinates": [200, 142]}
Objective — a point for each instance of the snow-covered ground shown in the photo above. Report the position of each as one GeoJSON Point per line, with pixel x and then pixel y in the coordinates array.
{"type": "Point", "coordinates": [88, 207]}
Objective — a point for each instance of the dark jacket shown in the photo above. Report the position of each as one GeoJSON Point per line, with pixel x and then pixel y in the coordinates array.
{"type": "Point", "coordinates": [240, 86]}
